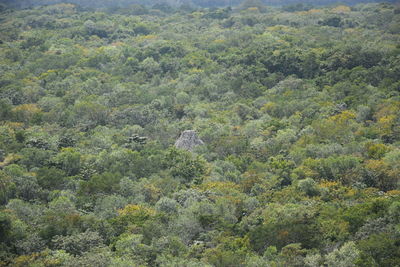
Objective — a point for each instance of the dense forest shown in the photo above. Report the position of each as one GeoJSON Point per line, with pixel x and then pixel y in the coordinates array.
{"type": "Point", "coordinates": [296, 110]}
{"type": "Point", "coordinates": [95, 4]}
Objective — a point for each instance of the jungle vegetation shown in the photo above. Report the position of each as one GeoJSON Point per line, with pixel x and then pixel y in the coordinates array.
{"type": "Point", "coordinates": [298, 107]}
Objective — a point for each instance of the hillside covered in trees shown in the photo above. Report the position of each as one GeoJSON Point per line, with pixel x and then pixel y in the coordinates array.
{"type": "Point", "coordinates": [296, 111]}
{"type": "Point", "coordinates": [95, 4]}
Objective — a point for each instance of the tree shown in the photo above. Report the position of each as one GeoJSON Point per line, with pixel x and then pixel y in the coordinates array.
{"type": "Point", "coordinates": [101, 183]}
{"type": "Point", "coordinates": [346, 256]}
{"type": "Point", "coordinates": [78, 244]}
{"type": "Point", "coordinates": [185, 166]}
{"type": "Point", "coordinates": [309, 187]}
{"type": "Point", "coordinates": [248, 4]}
{"type": "Point", "coordinates": [69, 161]}
{"type": "Point", "coordinates": [51, 178]}
{"type": "Point", "coordinates": [167, 205]}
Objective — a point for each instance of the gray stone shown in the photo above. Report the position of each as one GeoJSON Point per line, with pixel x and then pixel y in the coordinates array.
{"type": "Point", "coordinates": [188, 140]}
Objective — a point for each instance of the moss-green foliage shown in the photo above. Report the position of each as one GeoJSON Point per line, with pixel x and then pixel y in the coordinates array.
{"type": "Point", "coordinates": [298, 108]}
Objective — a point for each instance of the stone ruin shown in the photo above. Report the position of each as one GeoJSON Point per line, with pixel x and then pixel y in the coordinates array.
{"type": "Point", "coordinates": [188, 140]}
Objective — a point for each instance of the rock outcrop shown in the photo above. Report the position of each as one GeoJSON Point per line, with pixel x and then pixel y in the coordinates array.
{"type": "Point", "coordinates": [188, 140]}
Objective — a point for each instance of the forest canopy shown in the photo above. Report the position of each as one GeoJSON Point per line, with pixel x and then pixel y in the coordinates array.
{"type": "Point", "coordinates": [177, 3]}
{"type": "Point", "coordinates": [296, 109]}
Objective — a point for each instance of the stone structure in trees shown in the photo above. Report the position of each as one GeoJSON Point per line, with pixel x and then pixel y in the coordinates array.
{"type": "Point", "coordinates": [188, 140]}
